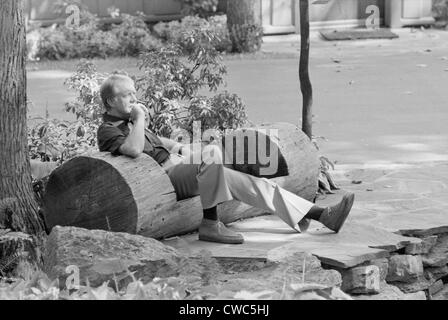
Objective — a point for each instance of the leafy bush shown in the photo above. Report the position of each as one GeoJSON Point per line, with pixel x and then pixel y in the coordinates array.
{"type": "Point", "coordinates": [56, 140]}
{"type": "Point", "coordinates": [129, 38]}
{"type": "Point", "coordinates": [86, 81]}
{"type": "Point", "coordinates": [218, 25]}
{"type": "Point", "coordinates": [174, 32]}
{"type": "Point", "coordinates": [223, 111]}
{"type": "Point", "coordinates": [440, 9]}
{"type": "Point", "coordinates": [134, 36]}
{"type": "Point", "coordinates": [202, 8]}
{"type": "Point", "coordinates": [42, 288]}
{"type": "Point", "coordinates": [87, 41]}
{"type": "Point", "coordinates": [99, 44]}
{"type": "Point", "coordinates": [52, 44]}
{"type": "Point", "coordinates": [171, 85]}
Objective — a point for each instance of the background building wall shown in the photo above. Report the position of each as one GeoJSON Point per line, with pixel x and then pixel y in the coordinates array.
{"type": "Point", "coordinates": [278, 16]}
{"type": "Point", "coordinates": [44, 10]}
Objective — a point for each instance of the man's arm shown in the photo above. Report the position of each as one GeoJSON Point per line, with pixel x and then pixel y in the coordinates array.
{"type": "Point", "coordinates": [171, 145]}
{"type": "Point", "coordinates": [135, 142]}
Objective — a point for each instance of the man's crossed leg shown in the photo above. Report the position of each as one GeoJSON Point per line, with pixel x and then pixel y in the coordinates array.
{"type": "Point", "coordinates": [215, 184]}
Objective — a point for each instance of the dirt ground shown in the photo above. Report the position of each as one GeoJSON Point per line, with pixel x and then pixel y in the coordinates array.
{"type": "Point", "coordinates": [376, 102]}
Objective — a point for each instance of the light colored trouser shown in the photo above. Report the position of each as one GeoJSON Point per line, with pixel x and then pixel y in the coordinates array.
{"type": "Point", "coordinates": [216, 184]}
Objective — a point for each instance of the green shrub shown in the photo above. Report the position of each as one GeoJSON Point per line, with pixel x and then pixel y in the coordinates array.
{"type": "Point", "coordinates": [202, 8]}
{"type": "Point", "coordinates": [218, 25]}
{"type": "Point", "coordinates": [90, 42]}
{"type": "Point", "coordinates": [440, 9]}
{"type": "Point", "coordinates": [134, 36]}
{"type": "Point", "coordinates": [52, 44]}
{"type": "Point", "coordinates": [223, 111]}
{"type": "Point", "coordinates": [86, 82]}
{"type": "Point", "coordinates": [100, 44]}
{"type": "Point", "coordinates": [129, 38]}
{"type": "Point", "coordinates": [87, 41]}
{"type": "Point", "coordinates": [171, 86]}
{"type": "Point", "coordinates": [174, 31]}
{"type": "Point", "coordinates": [56, 140]}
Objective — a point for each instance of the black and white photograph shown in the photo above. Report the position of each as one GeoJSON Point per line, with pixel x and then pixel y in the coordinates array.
{"type": "Point", "coordinates": [227, 156]}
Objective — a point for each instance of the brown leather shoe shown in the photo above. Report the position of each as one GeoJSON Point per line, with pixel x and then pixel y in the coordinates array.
{"type": "Point", "coordinates": [334, 217]}
{"type": "Point", "coordinates": [216, 231]}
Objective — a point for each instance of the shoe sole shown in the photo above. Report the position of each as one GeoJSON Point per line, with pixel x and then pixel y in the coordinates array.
{"type": "Point", "coordinates": [349, 199]}
{"type": "Point", "coordinates": [225, 241]}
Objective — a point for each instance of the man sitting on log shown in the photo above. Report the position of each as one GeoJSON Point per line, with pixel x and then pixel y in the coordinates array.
{"type": "Point", "coordinates": [124, 132]}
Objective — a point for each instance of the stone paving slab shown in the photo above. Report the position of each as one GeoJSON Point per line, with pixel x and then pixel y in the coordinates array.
{"type": "Point", "coordinates": [268, 238]}
{"type": "Point", "coordinates": [409, 200]}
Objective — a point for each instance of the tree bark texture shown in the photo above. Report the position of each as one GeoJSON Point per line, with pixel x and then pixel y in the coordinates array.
{"type": "Point", "coordinates": [305, 82]}
{"type": "Point", "coordinates": [244, 24]}
{"type": "Point", "coordinates": [18, 208]}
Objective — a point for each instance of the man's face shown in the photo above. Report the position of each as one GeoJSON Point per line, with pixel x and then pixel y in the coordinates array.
{"type": "Point", "coordinates": [125, 98]}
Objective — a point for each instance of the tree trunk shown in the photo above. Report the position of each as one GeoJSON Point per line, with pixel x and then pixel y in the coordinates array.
{"type": "Point", "coordinates": [18, 208]}
{"type": "Point", "coordinates": [244, 24]}
{"type": "Point", "coordinates": [101, 191]}
{"type": "Point", "coordinates": [305, 83]}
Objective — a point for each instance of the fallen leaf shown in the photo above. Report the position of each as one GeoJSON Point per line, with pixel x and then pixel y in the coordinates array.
{"type": "Point", "coordinates": [135, 291]}
{"type": "Point", "coordinates": [101, 293]}
{"type": "Point", "coordinates": [356, 181]}
{"type": "Point", "coordinates": [36, 291]}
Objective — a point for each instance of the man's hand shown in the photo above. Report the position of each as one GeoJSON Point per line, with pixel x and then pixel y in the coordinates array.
{"type": "Point", "coordinates": [134, 144]}
{"type": "Point", "coordinates": [138, 111]}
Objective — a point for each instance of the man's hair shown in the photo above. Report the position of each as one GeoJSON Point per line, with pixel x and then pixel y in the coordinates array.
{"type": "Point", "coordinates": [107, 89]}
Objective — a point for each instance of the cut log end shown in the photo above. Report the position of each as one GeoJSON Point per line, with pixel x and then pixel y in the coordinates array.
{"type": "Point", "coordinates": [90, 193]}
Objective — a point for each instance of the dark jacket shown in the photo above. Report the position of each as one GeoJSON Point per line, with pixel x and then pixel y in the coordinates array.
{"type": "Point", "coordinates": [113, 132]}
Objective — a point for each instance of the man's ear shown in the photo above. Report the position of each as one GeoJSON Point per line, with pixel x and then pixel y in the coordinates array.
{"type": "Point", "coordinates": [110, 101]}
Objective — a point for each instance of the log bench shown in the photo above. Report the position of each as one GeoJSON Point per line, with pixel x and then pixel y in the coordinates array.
{"type": "Point", "coordinates": [121, 194]}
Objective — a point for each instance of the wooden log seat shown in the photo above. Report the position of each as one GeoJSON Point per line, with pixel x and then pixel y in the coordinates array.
{"type": "Point", "coordinates": [121, 194]}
